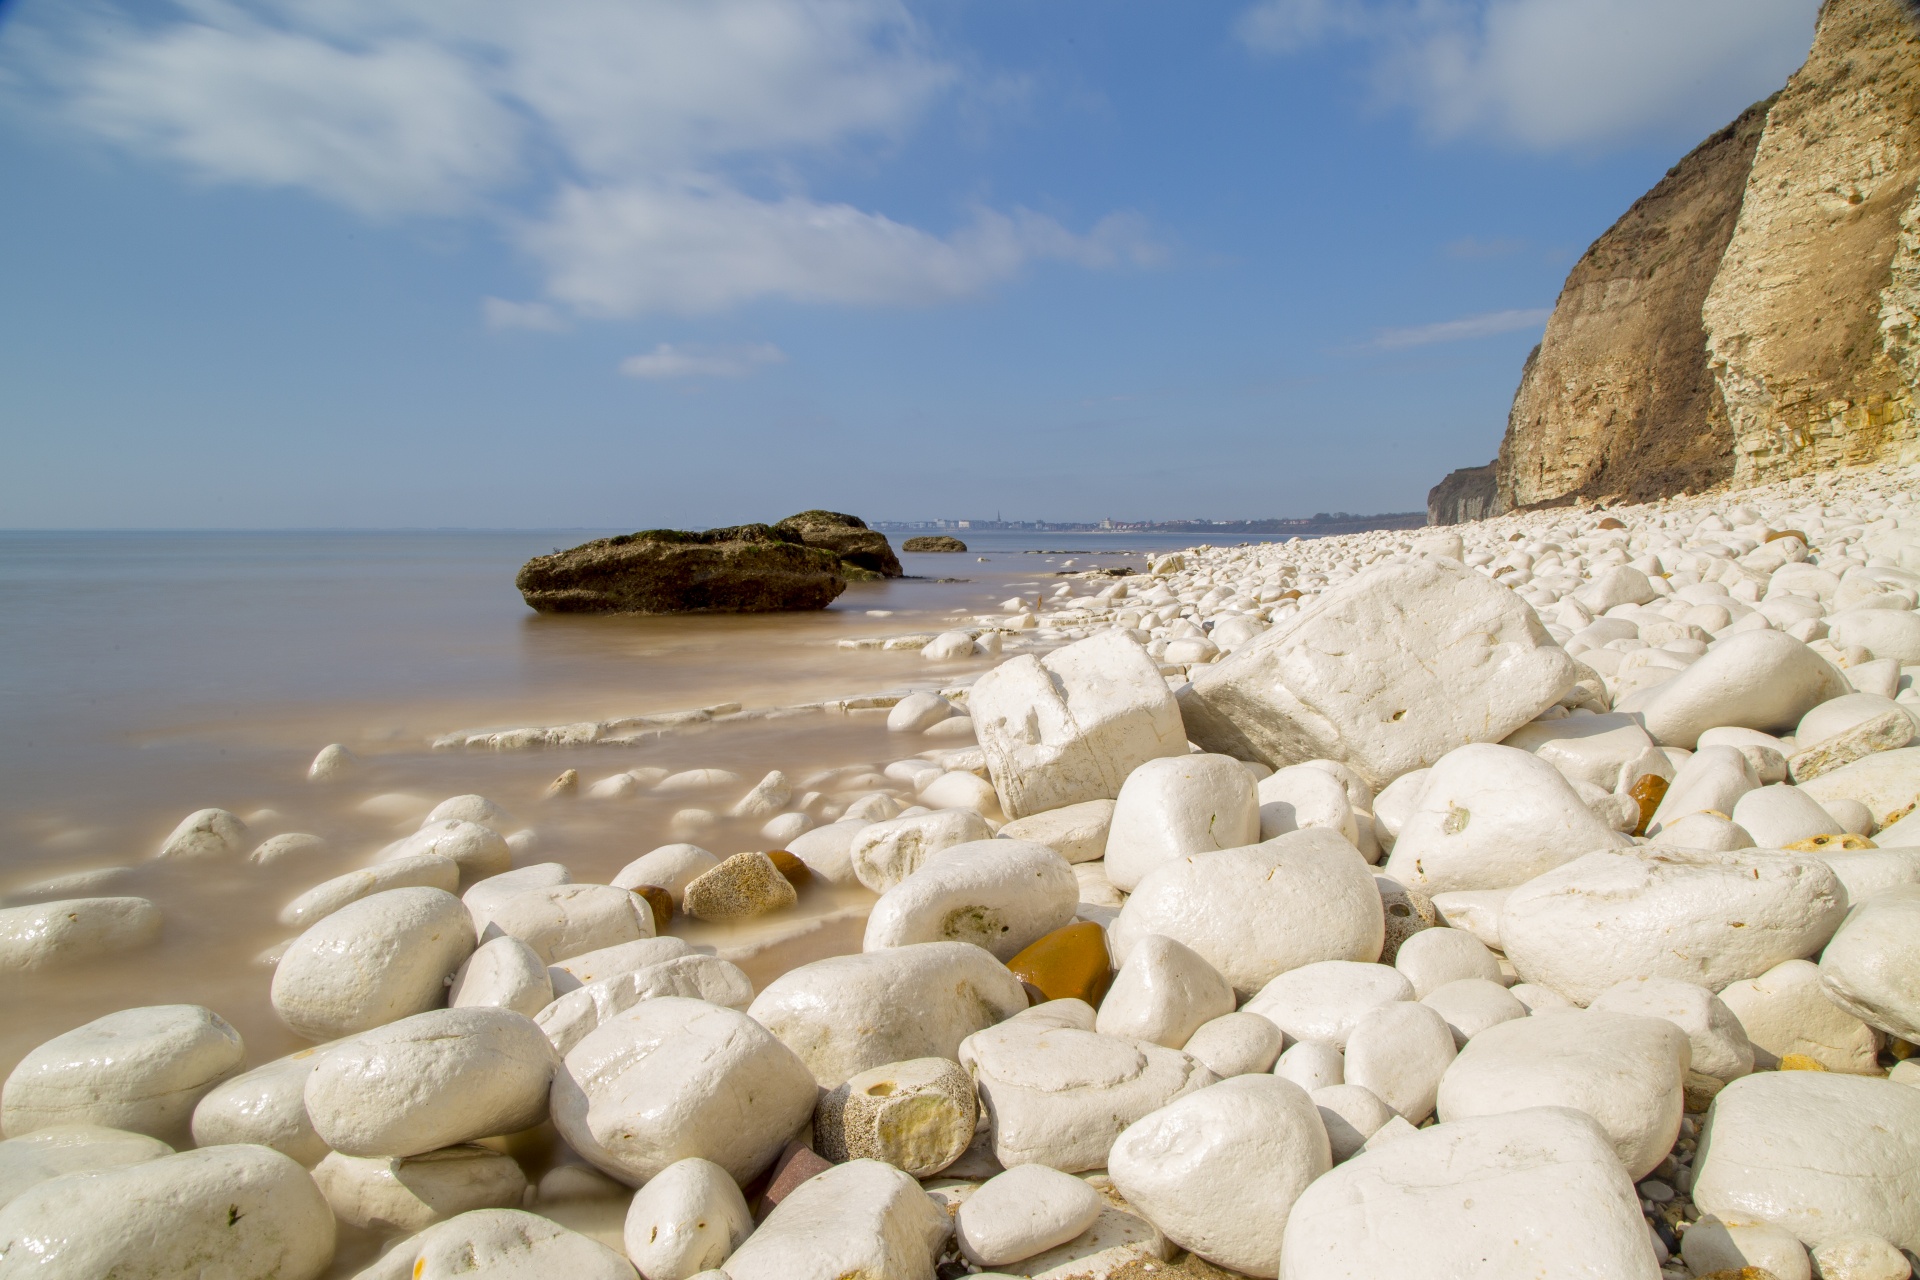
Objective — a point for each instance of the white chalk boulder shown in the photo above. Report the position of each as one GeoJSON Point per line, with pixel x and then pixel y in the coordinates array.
{"type": "Point", "coordinates": [374, 961]}
{"type": "Point", "coordinates": [1173, 807]}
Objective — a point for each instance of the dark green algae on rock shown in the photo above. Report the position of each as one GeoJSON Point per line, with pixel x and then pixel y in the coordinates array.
{"type": "Point", "coordinates": [864, 553]}
{"type": "Point", "coordinates": [749, 568]}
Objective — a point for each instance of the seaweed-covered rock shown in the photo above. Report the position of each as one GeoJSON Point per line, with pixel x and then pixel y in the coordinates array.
{"type": "Point", "coordinates": [933, 542]}
{"type": "Point", "coordinates": [863, 552]}
{"type": "Point", "coordinates": [749, 568]}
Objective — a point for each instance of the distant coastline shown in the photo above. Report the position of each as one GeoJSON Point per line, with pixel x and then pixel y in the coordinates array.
{"type": "Point", "coordinates": [1317, 525]}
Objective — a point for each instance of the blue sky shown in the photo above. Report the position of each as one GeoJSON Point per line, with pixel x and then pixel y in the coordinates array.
{"type": "Point", "coordinates": [398, 263]}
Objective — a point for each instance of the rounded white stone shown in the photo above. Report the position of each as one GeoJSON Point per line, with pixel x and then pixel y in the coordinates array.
{"type": "Point", "coordinates": [433, 1080]}
{"type": "Point", "coordinates": [956, 790]}
{"type": "Point", "coordinates": [267, 1106]}
{"type": "Point", "coordinates": [686, 1220]}
{"type": "Point", "coordinates": [1871, 969]}
{"type": "Point", "coordinates": [1711, 1245]}
{"type": "Point", "coordinates": [1352, 1114]}
{"type": "Point", "coordinates": [1258, 912]}
{"type": "Point", "coordinates": [918, 711]}
{"type": "Point", "coordinates": [673, 1077]}
{"type": "Point", "coordinates": [1781, 815]}
{"type": "Point", "coordinates": [1001, 895]}
{"type": "Point", "coordinates": [1708, 918]}
{"type": "Point", "coordinates": [206, 833]}
{"type": "Point", "coordinates": [291, 844]}
{"type": "Point", "coordinates": [1753, 679]}
{"type": "Point", "coordinates": [610, 962]}
{"type": "Point", "coordinates": [479, 851]}
{"type": "Point", "coordinates": [862, 1218]}
{"type": "Point", "coordinates": [487, 896]}
{"type": "Point", "coordinates": [1471, 1005]}
{"type": "Point", "coordinates": [1400, 1052]}
{"type": "Point", "coordinates": [1718, 1045]}
{"type": "Point", "coordinates": [1220, 1170]}
{"type": "Point", "coordinates": [1861, 1258]}
{"type": "Point", "coordinates": [1885, 633]}
{"type": "Point", "coordinates": [1026, 1210]}
{"type": "Point", "coordinates": [1306, 795]}
{"type": "Point", "coordinates": [142, 1070]}
{"type": "Point", "coordinates": [1713, 780]}
{"type": "Point", "coordinates": [1077, 832]}
{"type": "Point", "coordinates": [572, 919]}
{"type": "Point", "coordinates": [1163, 993]}
{"type": "Point", "coordinates": [828, 850]}
{"type": "Point", "coordinates": [1432, 958]}
{"type": "Point", "coordinates": [427, 871]}
{"type": "Point", "coordinates": [1324, 1002]}
{"type": "Point", "coordinates": [47, 935]}
{"type": "Point", "coordinates": [1170, 808]}
{"type": "Point", "coordinates": [885, 853]}
{"type": "Point", "coordinates": [1706, 832]}
{"type": "Point", "coordinates": [1235, 1044]}
{"type": "Point", "coordinates": [569, 1019]}
{"type": "Point", "coordinates": [70, 1148]}
{"type": "Point", "coordinates": [334, 762]}
{"type": "Point", "coordinates": [502, 973]}
{"type": "Point", "coordinates": [1312, 1065]}
{"type": "Point", "coordinates": [245, 1212]}
{"type": "Point", "coordinates": [1628, 1073]}
{"type": "Point", "coordinates": [671, 867]}
{"type": "Point", "coordinates": [470, 808]}
{"type": "Point", "coordinates": [506, 1243]}
{"type": "Point", "coordinates": [1787, 1010]}
{"type": "Point", "coordinates": [404, 1194]}
{"type": "Point", "coordinates": [384, 957]}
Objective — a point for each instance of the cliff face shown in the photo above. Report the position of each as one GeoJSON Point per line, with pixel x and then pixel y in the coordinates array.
{"type": "Point", "coordinates": [1755, 315]}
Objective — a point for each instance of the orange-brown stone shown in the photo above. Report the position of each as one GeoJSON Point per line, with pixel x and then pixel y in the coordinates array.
{"type": "Point", "coordinates": [662, 903]}
{"type": "Point", "coordinates": [1647, 791]}
{"type": "Point", "coordinates": [1071, 963]}
{"type": "Point", "coordinates": [798, 873]}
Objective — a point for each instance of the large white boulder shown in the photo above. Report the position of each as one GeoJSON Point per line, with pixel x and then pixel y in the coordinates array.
{"type": "Point", "coordinates": [1027, 1210]}
{"type": "Point", "coordinates": [142, 1070]}
{"type": "Point", "coordinates": [1077, 832]}
{"type": "Point", "coordinates": [1706, 918]}
{"type": "Point", "coordinates": [1885, 633]}
{"type": "Point", "coordinates": [479, 851]}
{"type": "Point", "coordinates": [1492, 817]}
{"type": "Point", "coordinates": [499, 1244]}
{"type": "Point", "coordinates": [382, 958]}
{"type": "Point", "coordinates": [1763, 680]}
{"type": "Point", "coordinates": [1887, 783]}
{"type": "Point", "coordinates": [1323, 1002]}
{"type": "Point", "coordinates": [1471, 1005]}
{"type": "Point", "coordinates": [609, 962]}
{"type": "Point", "coordinates": [1310, 795]}
{"type": "Point", "coordinates": [885, 853]}
{"type": "Point", "coordinates": [1787, 1010]}
{"type": "Point", "coordinates": [427, 870]}
{"type": "Point", "coordinates": [848, 1014]}
{"type": "Point", "coordinates": [857, 1219]}
{"type": "Point", "coordinates": [1163, 993]}
{"type": "Point", "coordinates": [502, 973]}
{"type": "Point", "coordinates": [70, 1148]}
{"type": "Point", "coordinates": [1712, 780]}
{"type": "Point", "coordinates": [1548, 1198]}
{"type": "Point", "coordinates": [1071, 726]}
{"type": "Point", "coordinates": [1820, 1154]}
{"type": "Point", "coordinates": [1386, 673]}
{"type": "Point", "coordinates": [569, 1019]}
{"type": "Point", "coordinates": [1629, 1073]}
{"type": "Point", "coordinates": [828, 850]}
{"type": "Point", "coordinates": [1172, 807]}
{"type": "Point", "coordinates": [266, 1106]}
{"type": "Point", "coordinates": [1872, 966]}
{"type": "Point", "coordinates": [239, 1212]}
{"type": "Point", "coordinates": [566, 920]}
{"type": "Point", "coordinates": [1257, 912]}
{"type": "Point", "coordinates": [433, 1080]}
{"type": "Point", "coordinates": [411, 1193]}
{"type": "Point", "coordinates": [1604, 751]}
{"type": "Point", "coordinates": [1057, 1093]}
{"type": "Point", "coordinates": [1000, 895]}
{"type": "Point", "coordinates": [672, 1078]}
{"type": "Point", "coordinates": [73, 930]}
{"type": "Point", "coordinates": [1399, 1053]}
{"type": "Point", "coordinates": [1220, 1170]}
{"type": "Point", "coordinates": [1432, 958]}
{"type": "Point", "coordinates": [1718, 1046]}
{"type": "Point", "coordinates": [1780, 815]}
{"type": "Point", "coordinates": [686, 1220]}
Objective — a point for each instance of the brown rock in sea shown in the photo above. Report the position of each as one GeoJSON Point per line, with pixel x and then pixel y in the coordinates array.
{"type": "Point", "coordinates": [751, 568]}
{"type": "Point", "coordinates": [863, 552]}
{"type": "Point", "coordinates": [745, 885]}
{"type": "Point", "coordinates": [933, 542]}
{"type": "Point", "coordinates": [1755, 316]}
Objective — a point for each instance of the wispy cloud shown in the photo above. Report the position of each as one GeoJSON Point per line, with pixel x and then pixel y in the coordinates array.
{"type": "Point", "coordinates": [1465, 329]}
{"type": "Point", "coordinates": [1554, 74]}
{"type": "Point", "coordinates": [692, 360]}
{"type": "Point", "coordinates": [626, 147]}
{"type": "Point", "coordinates": [538, 316]}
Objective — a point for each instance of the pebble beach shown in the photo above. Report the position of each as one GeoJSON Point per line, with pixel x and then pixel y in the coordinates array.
{"type": "Point", "coordinates": [1536, 896]}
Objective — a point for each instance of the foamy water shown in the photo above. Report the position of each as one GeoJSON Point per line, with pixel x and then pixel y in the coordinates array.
{"type": "Point", "coordinates": [144, 676]}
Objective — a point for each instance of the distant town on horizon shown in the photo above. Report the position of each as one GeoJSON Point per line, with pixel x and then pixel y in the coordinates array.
{"type": "Point", "coordinates": [1322, 522]}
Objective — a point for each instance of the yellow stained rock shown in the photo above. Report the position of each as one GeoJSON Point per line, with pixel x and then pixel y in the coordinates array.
{"type": "Point", "coordinates": [1071, 963]}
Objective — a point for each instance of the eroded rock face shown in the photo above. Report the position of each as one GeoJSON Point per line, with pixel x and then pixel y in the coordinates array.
{"type": "Point", "coordinates": [863, 552]}
{"type": "Point", "coordinates": [751, 568]}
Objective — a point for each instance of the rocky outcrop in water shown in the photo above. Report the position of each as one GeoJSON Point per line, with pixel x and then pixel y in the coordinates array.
{"type": "Point", "coordinates": [751, 568]}
{"type": "Point", "coordinates": [933, 542]}
{"type": "Point", "coordinates": [863, 552]}
{"type": "Point", "coordinates": [1750, 318]}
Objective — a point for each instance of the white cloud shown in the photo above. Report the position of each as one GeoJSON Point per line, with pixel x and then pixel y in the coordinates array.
{"type": "Point", "coordinates": [538, 316]}
{"type": "Point", "coordinates": [671, 360]}
{"type": "Point", "coordinates": [1550, 74]}
{"type": "Point", "coordinates": [635, 128]}
{"type": "Point", "coordinates": [1464, 329]}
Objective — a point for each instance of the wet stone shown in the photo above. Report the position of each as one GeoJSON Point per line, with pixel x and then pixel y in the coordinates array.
{"type": "Point", "coordinates": [1071, 963]}
{"type": "Point", "coordinates": [743, 886]}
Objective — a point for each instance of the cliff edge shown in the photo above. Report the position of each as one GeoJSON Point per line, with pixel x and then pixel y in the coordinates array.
{"type": "Point", "coordinates": [1750, 318]}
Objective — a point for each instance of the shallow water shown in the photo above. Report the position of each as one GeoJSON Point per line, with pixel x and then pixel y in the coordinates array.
{"type": "Point", "coordinates": [146, 675]}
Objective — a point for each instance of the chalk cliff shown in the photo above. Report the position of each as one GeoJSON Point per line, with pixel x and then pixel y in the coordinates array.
{"type": "Point", "coordinates": [1751, 317]}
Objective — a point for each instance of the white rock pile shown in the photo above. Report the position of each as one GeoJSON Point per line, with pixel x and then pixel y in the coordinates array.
{"type": "Point", "coordinates": [1534, 898]}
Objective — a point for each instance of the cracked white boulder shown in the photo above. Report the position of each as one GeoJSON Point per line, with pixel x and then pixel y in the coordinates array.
{"type": "Point", "coordinates": [569, 1019]}
{"type": "Point", "coordinates": [1491, 817]}
{"type": "Point", "coordinates": [1823, 1155]}
{"type": "Point", "coordinates": [1220, 1170]}
{"type": "Point", "coordinates": [1000, 895]}
{"type": "Point", "coordinates": [1257, 912]}
{"type": "Point", "coordinates": [885, 853]}
{"type": "Point", "coordinates": [561, 921]}
{"type": "Point", "coordinates": [1070, 727]}
{"type": "Point", "coordinates": [392, 1194]}
{"type": "Point", "coordinates": [1077, 832]}
{"type": "Point", "coordinates": [1549, 1199]}
{"type": "Point", "coordinates": [1386, 673]}
{"type": "Point", "coordinates": [1871, 969]}
{"type": "Point", "coordinates": [1706, 918]}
